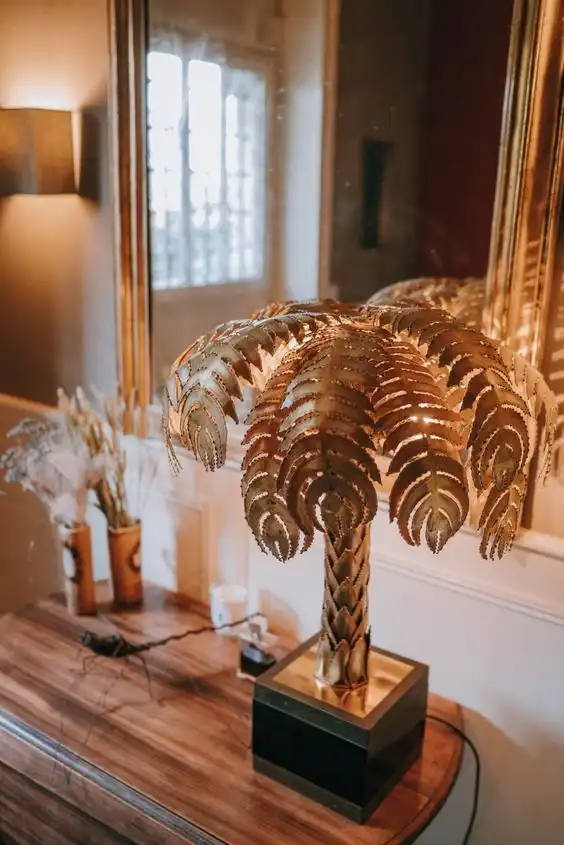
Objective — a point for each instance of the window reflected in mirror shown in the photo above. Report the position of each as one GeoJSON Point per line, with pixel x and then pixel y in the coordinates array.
{"type": "Point", "coordinates": [207, 168]}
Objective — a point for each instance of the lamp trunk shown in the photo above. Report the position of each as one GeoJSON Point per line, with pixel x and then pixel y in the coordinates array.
{"type": "Point", "coordinates": [344, 642]}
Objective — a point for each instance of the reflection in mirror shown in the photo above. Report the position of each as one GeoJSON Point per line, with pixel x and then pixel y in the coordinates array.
{"type": "Point", "coordinates": [553, 340]}
{"type": "Point", "coordinates": [423, 80]}
{"type": "Point", "coordinates": [305, 148]}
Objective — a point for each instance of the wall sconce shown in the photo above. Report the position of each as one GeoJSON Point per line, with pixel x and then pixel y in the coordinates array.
{"type": "Point", "coordinates": [36, 152]}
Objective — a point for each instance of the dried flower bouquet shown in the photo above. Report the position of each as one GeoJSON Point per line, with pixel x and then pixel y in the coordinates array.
{"type": "Point", "coordinates": [103, 431]}
{"type": "Point", "coordinates": [53, 463]}
{"type": "Point", "coordinates": [102, 438]}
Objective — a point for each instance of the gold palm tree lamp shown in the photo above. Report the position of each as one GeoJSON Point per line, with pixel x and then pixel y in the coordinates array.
{"type": "Point", "coordinates": [458, 421]}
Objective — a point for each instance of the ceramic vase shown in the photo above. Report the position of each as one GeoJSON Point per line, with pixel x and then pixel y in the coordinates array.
{"type": "Point", "coordinates": [125, 564]}
{"type": "Point", "coordinates": [79, 574]}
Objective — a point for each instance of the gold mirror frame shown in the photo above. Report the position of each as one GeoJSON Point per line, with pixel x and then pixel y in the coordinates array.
{"type": "Point", "coordinates": [126, 96]}
{"type": "Point", "coordinates": [529, 185]}
{"type": "Point", "coordinates": [527, 202]}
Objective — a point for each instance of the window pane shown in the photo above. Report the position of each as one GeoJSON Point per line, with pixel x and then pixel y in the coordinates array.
{"type": "Point", "coordinates": [233, 193]}
{"type": "Point", "coordinates": [207, 161]}
{"type": "Point", "coordinates": [164, 103]}
{"type": "Point", "coordinates": [232, 154]}
{"type": "Point", "coordinates": [164, 92]}
{"type": "Point", "coordinates": [248, 193]}
{"type": "Point", "coordinates": [214, 268]}
{"type": "Point", "coordinates": [231, 115]}
{"type": "Point", "coordinates": [198, 191]}
{"type": "Point", "coordinates": [248, 161]}
{"type": "Point", "coordinates": [234, 231]}
{"type": "Point", "coordinates": [198, 274]}
{"type": "Point", "coordinates": [249, 229]}
{"type": "Point", "coordinates": [205, 142]}
{"type": "Point", "coordinates": [199, 218]}
{"type": "Point", "coordinates": [204, 115]}
{"type": "Point", "coordinates": [234, 265]}
{"type": "Point", "coordinates": [245, 163]}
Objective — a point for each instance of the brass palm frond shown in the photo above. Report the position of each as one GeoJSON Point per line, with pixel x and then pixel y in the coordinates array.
{"type": "Point", "coordinates": [479, 387]}
{"type": "Point", "coordinates": [328, 472]}
{"type": "Point", "coordinates": [463, 298]}
{"type": "Point", "coordinates": [501, 517]}
{"type": "Point", "coordinates": [312, 306]}
{"type": "Point", "coordinates": [209, 376]}
{"type": "Point", "coordinates": [543, 406]}
{"type": "Point", "coordinates": [266, 511]}
{"type": "Point", "coordinates": [457, 417]}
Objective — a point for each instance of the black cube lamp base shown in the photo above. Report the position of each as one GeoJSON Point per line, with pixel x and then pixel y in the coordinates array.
{"type": "Point", "coordinates": [345, 750]}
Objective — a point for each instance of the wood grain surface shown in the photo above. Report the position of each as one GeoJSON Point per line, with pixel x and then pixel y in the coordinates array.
{"type": "Point", "coordinates": [159, 751]}
{"type": "Point", "coordinates": [52, 822]}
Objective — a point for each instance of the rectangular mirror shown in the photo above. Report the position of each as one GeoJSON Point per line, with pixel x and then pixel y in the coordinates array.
{"type": "Point", "coordinates": [300, 149]}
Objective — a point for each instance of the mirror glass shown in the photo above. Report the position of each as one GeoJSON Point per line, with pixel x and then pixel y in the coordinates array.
{"type": "Point", "coordinates": [305, 148]}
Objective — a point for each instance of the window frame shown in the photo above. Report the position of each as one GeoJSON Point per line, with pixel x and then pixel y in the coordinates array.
{"type": "Point", "coordinates": [263, 62]}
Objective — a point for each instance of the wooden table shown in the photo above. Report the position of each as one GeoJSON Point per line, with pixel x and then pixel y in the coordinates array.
{"type": "Point", "coordinates": [118, 752]}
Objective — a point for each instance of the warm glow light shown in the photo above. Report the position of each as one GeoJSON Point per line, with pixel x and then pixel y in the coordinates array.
{"type": "Point", "coordinates": [76, 145]}
{"type": "Point", "coordinates": [29, 214]}
{"type": "Point", "coordinates": [34, 97]}
{"type": "Point", "coordinates": [36, 152]}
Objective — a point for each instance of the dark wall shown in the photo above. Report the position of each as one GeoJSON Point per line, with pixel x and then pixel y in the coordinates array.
{"type": "Point", "coordinates": [381, 84]}
{"type": "Point", "coordinates": [460, 134]}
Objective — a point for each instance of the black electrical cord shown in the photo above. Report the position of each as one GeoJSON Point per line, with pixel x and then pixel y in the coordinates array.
{"type": "Point", "coordinates": [115, 645]}
{"type": "Point", "coordinates": [477, 776]}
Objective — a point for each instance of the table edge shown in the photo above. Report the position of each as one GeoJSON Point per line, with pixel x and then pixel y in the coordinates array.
{"type": "Point", "coordinates": [118, 788]}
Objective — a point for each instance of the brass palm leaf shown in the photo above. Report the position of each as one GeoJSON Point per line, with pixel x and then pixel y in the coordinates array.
{"type": "Point", "coordinates": [480, 383]}
{"type": "Point", "coordinates": [439, 290]}
{"type": "Point", "coordinates": [312, 306]}
{"type": "Point", "coordinates": [202, 389]}
{"type": "Point", "coordinates": [468, 306]}
{"type": "Point", "coordinates": [422, 434]}
{"type": "Point", "coordinates": [266, 511]}
{"type": "Point", "coordinates": [328, 470]}
{"type": "Point", "coordinates": [501, 517]}
{"type": "Point", "coordinates": [543, 406]}
{"type": "Point", "coordinates": [463, 298]}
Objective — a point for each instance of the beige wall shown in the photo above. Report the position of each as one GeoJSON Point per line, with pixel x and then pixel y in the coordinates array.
{"type": "Point", "coordinates": [382, 60]}
{"type": "Point", "coordinates": [56, 271]}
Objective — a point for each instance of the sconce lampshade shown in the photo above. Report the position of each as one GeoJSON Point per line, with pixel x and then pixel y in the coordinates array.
{"type": "Point", "coordinates": [36, 152]}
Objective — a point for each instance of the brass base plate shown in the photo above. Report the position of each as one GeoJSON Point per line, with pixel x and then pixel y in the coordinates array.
{"type": "Point", "coordinates": [385, 674]}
